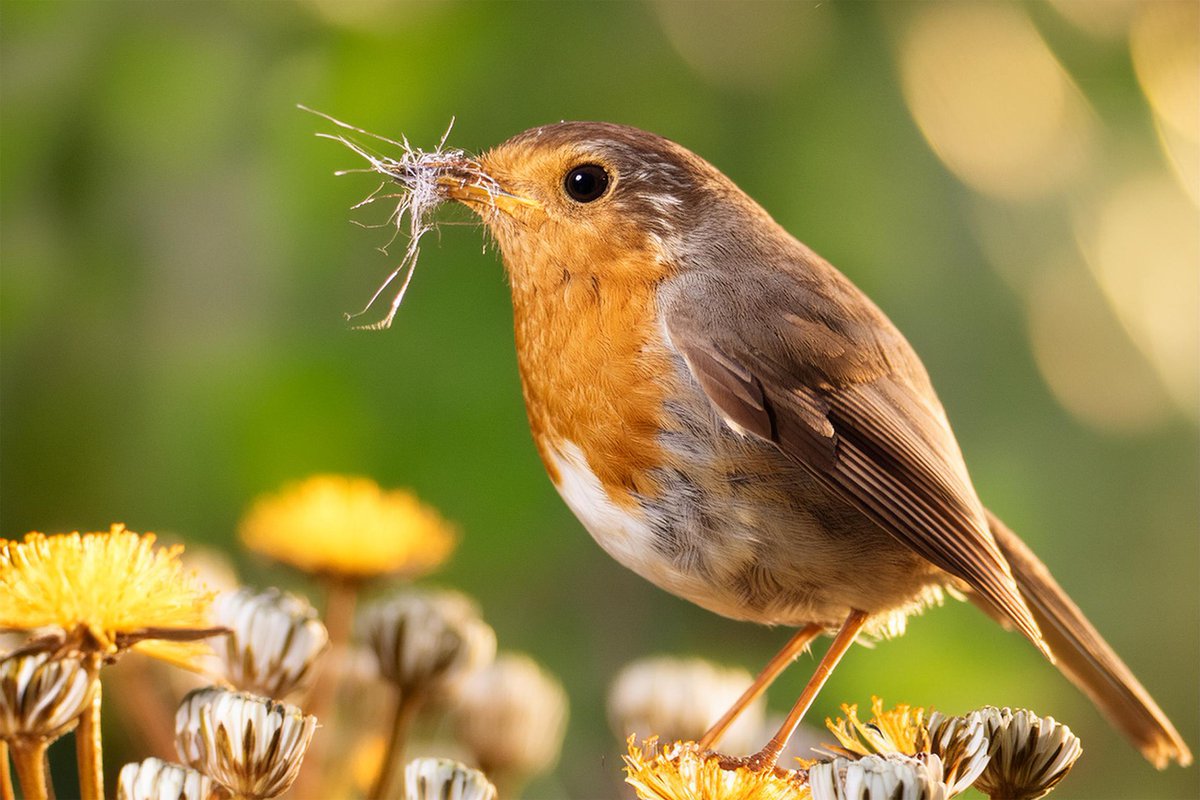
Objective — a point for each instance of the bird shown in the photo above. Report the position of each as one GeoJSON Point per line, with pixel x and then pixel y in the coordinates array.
{"type": "Point", "coordinates": [732, 419]}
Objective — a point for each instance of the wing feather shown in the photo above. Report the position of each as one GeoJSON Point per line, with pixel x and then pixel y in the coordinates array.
{"type": "Point", "coordinates": [843, 394]}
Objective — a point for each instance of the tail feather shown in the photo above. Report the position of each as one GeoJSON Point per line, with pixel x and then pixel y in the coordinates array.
{"type": "Point", "coordinates": [1084, 656]}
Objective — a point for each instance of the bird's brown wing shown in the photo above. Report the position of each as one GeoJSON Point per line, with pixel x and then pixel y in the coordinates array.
{"type": "Point", "coordinates": [808, 363]}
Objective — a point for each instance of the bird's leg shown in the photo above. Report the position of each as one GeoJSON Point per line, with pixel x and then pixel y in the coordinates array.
{"type": "Point", "coordinates": [766, 758]}
{"type": "Point", "coordinates": [769, 673]}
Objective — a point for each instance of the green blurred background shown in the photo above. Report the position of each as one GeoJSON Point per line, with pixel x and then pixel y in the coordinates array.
{"type": "Point", "coordinates": [1015, 184]}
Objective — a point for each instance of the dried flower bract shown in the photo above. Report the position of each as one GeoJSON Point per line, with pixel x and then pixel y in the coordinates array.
{"type": "Point", "coordinates": [275, 641]}
{"type": "Point", "coordinates": [155, 779]}
{"type": "Point", "coordinates": [1030, 755]}
{"type": "Point", "coordinates": [425, 641]}
{"type": "Point", "coordinates": [41, 696]}
{"type": "Point", "coordinates": [251, 745]}
{"type": "Point", "coordinates": [878, 777]}
{"type": "Point", "coordinates": [962, 745]}
{"type": "Point", "coordinates": [512, 716]}
{"type": "Point", "coordinates": [443, 779]}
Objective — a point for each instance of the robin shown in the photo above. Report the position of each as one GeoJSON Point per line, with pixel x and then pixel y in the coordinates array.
{"type": "Point", "coordinates": [735, 421]}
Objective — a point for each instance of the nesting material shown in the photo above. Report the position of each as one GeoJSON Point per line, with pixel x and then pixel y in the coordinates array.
{"type": "Point", "coordinates": [419, 179]}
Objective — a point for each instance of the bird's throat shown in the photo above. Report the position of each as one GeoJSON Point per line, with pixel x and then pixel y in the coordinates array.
{"type": "Point", "coordinates": [592, 360]}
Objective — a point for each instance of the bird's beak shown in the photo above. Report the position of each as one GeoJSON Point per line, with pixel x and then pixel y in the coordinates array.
{"type": "Point", "coordinates": [476, 189]}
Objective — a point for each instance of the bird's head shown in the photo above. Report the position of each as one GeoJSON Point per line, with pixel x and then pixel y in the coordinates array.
{"type": "Point", "coordinates": [597, 198]}
{"type": "Point", "coordinates": [608, 202]}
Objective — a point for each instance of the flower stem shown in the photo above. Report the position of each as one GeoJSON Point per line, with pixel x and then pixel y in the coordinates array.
{"type": "Point", "coordinates": [6, 784]}
{"type": "Point", "coordinates": [340, 600]}
{"type": "Point", "coordinates": [89, 753]}
{"type": "Point", "coordinates": [31, 769]}
{"type": "Point", "coordinates": [393, 758]}
{"type": "Point", "coordinates": [341, 597]}
{"type": "Point", "coordinates": [509, 785]}
{"type": "Point", "coordinates": [136, 692]}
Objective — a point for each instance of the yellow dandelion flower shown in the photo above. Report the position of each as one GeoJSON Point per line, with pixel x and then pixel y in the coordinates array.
{"type": "Point", "coordinates": [348, 528]}
{"type": "Point", "coordinates": [103, 592]}
{"type": "Point", "coordinates": [903, 729]}
{"type": "Point", "coordinates": [682, 771]}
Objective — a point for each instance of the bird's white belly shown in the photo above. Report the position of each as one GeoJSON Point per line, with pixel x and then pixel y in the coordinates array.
{"type": "Point", "coordinates": [628, 537]}
{"type": "Point", "coordinates": [715, 581]}
{"type": "Point", "coordinates": [623, 534]}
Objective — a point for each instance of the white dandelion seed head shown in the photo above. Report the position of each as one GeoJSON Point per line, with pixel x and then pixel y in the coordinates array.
{"type": "Point", "coordinates": [879, 777]}
{"type": "Point", "coordinates": [1030, 755]}
{"type": "Point", "coordinates": [41, 696]}
{"type": "Point", "coordinates": [250, 744]}
{"type": "Point", "coordinates": [512, 716]}
{"type": "Point", "coordinates": [155, 779]}
{"type": "Point", "coordinates": [443, 779]}
{"type": "Point", "coordinates": [962, 745]}
{"type": "Point", "coordinates": [679, 699]}
{"type": "Point", "coordinates": [426, 641]}
{"type": "Point", "coordinates": [274, 644]}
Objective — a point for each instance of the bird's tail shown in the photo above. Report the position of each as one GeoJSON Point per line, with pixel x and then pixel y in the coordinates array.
{"type": "Point", "coordinates": [1085, 658]}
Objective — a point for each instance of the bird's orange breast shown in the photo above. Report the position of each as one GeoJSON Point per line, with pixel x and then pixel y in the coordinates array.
{"type": "Point", "coordinates": [592, 361]}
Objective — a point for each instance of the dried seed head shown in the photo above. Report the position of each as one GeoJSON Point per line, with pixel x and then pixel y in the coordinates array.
{"type": "Point", "coordinates": [512, 716]}
{"type": "Point", "coordinates": [1029, 754]}
{"type": "Point", "coordinates": [41, 696]}
{"type": "Point", "coordinates": [443, 779]}
{"type": "Point", "coordinates": [681, 771]}
{"type": "Point", "coordinates": [878, 777]}
{"type": "Point", "coordinates": [155, 779]}
{"type": "Point", "coordinates": [962, 745]}
{"type": "Point", "coordinates": [426, 641]}
{"type": "Point", "coordinates": [250, 744]}
{"type": "Point", "coordinates": [275, 641]}
{"type": "Point", "coordinates": [678, 699]}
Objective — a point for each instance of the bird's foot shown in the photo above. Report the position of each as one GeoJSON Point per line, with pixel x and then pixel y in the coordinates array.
{"type": "Point", "coordinates": [764, 760]}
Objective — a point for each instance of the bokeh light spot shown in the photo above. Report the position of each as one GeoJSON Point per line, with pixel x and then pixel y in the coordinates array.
{"type": "Point", "coordinates": [1105, 19]}
{"type": "Point", "coordinates": [1165, 46]}
{"type": "Point", "coordinates": [1142, 243]}
{"type": "Point", "coordinates": [991, 99]}
{"type": "Point", "coordinates": [1090, 365]}
{"type": "Point", "coordinates": [733, 44]}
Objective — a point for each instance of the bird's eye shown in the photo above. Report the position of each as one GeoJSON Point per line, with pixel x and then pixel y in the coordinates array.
{"type": "Point", "coordinates": [586, 182]}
